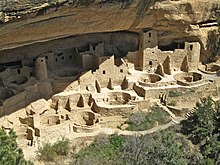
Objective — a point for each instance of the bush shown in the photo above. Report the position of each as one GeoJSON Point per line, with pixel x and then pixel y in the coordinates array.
{"type": "Point", "coordinates": [48, 151]}
{"type": "Point", "coordinates": [174, 94]}
{"type": "Point", "coordinates": [141, 121]}
{"type": "Point", "coordinates": [154, 149]}
{"type": "Point", "coordinates": [62, 147]}
{"type": "Point", "coordinates": [172, 103]}
{"type": "Point", "coordinates": [100, 151]}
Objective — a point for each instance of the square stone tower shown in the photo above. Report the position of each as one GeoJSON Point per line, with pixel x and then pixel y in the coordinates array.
{"type": "Point", "coordinates": [148, 39]}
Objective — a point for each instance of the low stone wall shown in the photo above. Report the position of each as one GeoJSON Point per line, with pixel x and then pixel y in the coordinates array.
{"type": "Point", "coordinates": [86, 129]}
{"type": "Point", "coordinates": [107, 110]}
{"type": "Point", "coordinates": [14, 103]}
{"type": "Point", "coordinates": [189, 78]}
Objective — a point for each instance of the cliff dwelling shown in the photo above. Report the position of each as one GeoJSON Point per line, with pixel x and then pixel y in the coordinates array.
{"type": "Point", "coordinates": [74, 88]}
{"type": "Point", "coordinates": [81, 68]}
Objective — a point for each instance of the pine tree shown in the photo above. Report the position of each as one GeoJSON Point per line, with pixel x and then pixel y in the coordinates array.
{"type": "Point", "coordinates": [10, 153]}
{"type": "Point", "coordinates": [201, 125]}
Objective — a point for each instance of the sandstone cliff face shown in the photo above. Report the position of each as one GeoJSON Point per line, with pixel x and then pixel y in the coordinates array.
{"type": "Point", "coordinates": [175, 20]}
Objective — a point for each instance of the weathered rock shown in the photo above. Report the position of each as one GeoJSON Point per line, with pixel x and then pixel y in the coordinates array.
{"type": "Point", "coordinates": [39, 22]}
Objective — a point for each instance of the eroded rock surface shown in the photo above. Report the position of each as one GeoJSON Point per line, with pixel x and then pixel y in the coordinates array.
{"type": "Point", "coordinates": [26, 22]}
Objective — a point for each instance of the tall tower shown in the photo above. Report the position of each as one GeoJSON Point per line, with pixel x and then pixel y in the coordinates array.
{"type": "Point", "coordinates": [40, 68]}
{"type": "Point", "coordinates": [148, 39]}
{"type": "Point", "coordinates": [193, 53]}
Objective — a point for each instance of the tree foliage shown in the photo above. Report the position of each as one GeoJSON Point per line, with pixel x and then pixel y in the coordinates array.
{"type": "Point", "coordinates": [104, 150]}
{"type": "Point", "coordinates": [201, 124]}
{"type": "Point", "coordinates": [10, 153]}
{"type": "Point", "coordinates": [153, 150]}
{"type": "Point", "coordinates": [203, 129]}
{"type": "Point", "coordinates": [141, 121]}
{"type": "Point", "coordinates": [48, 151]}
{"type": "Point", "coordinates": [156, 149]}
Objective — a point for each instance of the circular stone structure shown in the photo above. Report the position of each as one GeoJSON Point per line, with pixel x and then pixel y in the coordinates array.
{"type": "Point", "coordinates": [5, 93]}
{"type": "Point", "coordinates": [188, 78]}
{"type": "Point", "coordinates": [150, 80]}
{"type": "Point", "coordinates": [86, 121]}
{"type": "Point", "coordinates": [210, 68]}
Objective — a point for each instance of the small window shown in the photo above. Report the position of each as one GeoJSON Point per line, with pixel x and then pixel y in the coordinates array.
{"type": "Point", "coordinates": [62, 58]}
{"type": "Point", "coordinates": [41, 60]}
{"type": "Point", "coordinates": [46, 57]}
{"type": "Point", "coordinates": [152, 52]}
{"type": "Point", "coordinates": [191, 47]}
{"type": "Point", "coordinates": [149, 34]}
{"type": "Point", "coordinates": [31, 74]}
{"type": "Point", "coordinates": [121, 70]}
{"type": "Point", "coordinates": [56, 59]}
{"type": "Point", "coordinates": [103, 72]}
{"type": "Point", "coordinates": [70, 57]}
{"type": "Point", "coordinates": [19, 71]}
{"type": "Point", "coordinates": [148, 41]}
{"type": "Point", "coordinates": [150, 63]}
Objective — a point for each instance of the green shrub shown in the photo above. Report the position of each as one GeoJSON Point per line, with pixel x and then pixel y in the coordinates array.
{"type": "Point", "coordinates": [116, 141]}
{"type": "Point", "coordinates": [174, 94]}
{"type": "Point", "coordinates": [101, 151]}
{"type": "Point", "coordinates": [48, 151]}
{"type": "Point", "coordinates": [142, 120]}
{"type": "Point", "coordinates": [172, 103]}
{"type": "Point", "coordinates": [62, 147]}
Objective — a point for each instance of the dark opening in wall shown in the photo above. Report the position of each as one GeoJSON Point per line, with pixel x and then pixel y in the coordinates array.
{"type": "Point", "coordinates": [181, 45]}
{"type": "Point", "coordinates": [62, 58]}
{"type": "Point", "coordinates": [172, 46]}
{"type": "Point", "coordinates": [31, 74]}
{"type": "Point", "coordinates": [14, 64]}
{"type": "Point", "coordinates": [70, 57]}
{"type": "Point", "coordinates": [149, 34]}
{"type": "Point", "coordinates": [121, 70]}
{"type": "Point", "coordinates": [46, 57]}
{"type": "Point", "coordinates": [2, 68]}
{"type": "Point", "coordinates": [150, 63]}
{"type": "Point", "coordinates": [191, 47]}
{"type": "Point", "coordinates": [145, 30]}
{"type": "Point", "coordinates": [41, 60]}
{"type": "Point", "coordinates": [56, 59]}
{"type": "Point", "coordinates": [19, 71]}
{"type": "Point", "coordinates": [103, 72]}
